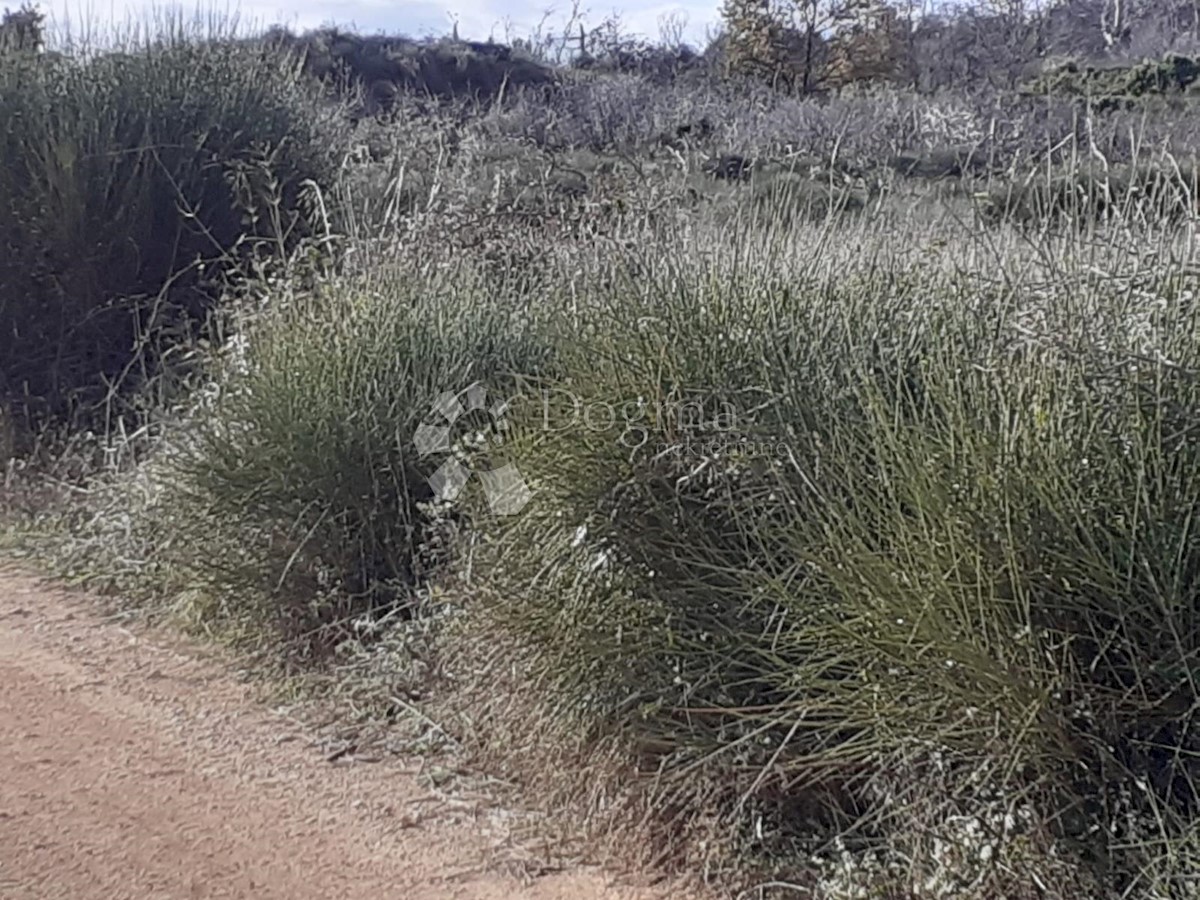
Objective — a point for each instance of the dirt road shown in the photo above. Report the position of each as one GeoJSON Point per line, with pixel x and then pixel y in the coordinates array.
{"type": "Point", "coordinates": [133, 764]}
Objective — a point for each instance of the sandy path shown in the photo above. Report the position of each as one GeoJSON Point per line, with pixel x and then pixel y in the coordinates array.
{"type": "Point", "coordinates": [132, 766]}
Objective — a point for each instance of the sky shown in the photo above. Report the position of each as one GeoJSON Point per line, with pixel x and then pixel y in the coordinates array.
{"type": "Point", "coordinates": [477, 19]}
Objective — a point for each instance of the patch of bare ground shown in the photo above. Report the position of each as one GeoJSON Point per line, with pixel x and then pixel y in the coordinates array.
{"type": "Point", "coordinates": [138, 765]}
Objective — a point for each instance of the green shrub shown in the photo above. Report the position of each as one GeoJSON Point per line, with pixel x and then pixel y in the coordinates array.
{"type": "Point", "coordinates": [1156, 192]}
{"type": "Point", "coordinates": [129, 178]}
{"type": "Point", "coordinates": [900, 522]}
{"type": "Point", "coordinates": [303, 480]}
{"type": "Point", "coordinates": [1113, 86]}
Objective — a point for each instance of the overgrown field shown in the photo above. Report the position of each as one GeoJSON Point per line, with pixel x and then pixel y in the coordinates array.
{"type": "Point", "coordinates": [811, 493]}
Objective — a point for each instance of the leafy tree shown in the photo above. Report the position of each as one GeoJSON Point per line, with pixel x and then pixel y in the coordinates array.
{"type": "Point", "coordinates": [760, 44]}
{"type": "Point", "coordinates": [869, 44]}
{"type": "Point", "coordinates": [808, 45]}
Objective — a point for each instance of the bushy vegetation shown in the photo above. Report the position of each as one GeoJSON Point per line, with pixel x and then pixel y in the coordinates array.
{"type": "Point", "coordinates": [305, 458]}
{"type": "Point", "coordinates": [1085, 194]}
{"type": "Point", "coordinates": [852, 438]}
{"type": "Point", "coordinates": [132, 180]}
{"type": "Point", "coordinates": [805, 559]}
{"type": "Point", "coordinates": [382, 66]}
{"type": "Point", "coordinates": [1112, 84]}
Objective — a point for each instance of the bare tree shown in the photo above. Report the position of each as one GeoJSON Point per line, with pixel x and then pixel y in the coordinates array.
{"type": "Point", "coordinates": [22, 30]}
{"type": "Point", "coordinates": [671, 30]}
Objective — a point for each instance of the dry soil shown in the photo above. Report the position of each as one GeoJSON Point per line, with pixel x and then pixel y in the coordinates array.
{"type": "Point", "coordinates": [136, 764]}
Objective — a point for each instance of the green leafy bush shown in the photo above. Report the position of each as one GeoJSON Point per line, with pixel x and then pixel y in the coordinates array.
{"type": "Point", "coordinates": [1111, 86]}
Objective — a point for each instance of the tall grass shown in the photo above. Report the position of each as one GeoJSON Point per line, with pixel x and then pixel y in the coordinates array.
{"type": "Point", "coordinates": [866, 513]}
{"type": "Point", "coordinates": [852, 527]}
{"type": "Point", "coordinates": [316, 502]}
{"type": "Point", "coordinates": [1155, 189]}
{"type": "Point", "coordinates": [134, 175]}
{"type": "Point", "coordinates": [856, 526]}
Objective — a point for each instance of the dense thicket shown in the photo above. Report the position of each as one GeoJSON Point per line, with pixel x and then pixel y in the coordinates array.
{"type": "Point", "coordinates": [130, 180]}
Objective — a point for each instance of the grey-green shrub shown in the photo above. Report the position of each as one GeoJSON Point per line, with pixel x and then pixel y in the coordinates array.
{"type": "Point", "coordinates": [971, 533]}
{"type": "Point", "coordinates": [130, 177]}
{"type": "Point", "coordinates": [307, 464]}
{"type": "Point", "coordinates": [1145, 192]}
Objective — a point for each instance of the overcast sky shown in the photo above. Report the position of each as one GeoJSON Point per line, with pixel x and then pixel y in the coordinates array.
{"type": "Point", "coordinates": [477, 19]}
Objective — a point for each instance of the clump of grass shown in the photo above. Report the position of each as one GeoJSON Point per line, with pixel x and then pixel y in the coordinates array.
{"type": "Point", "coordinates": [308, 460]}
{"type": "Point", "coordinates": [840, 546]}
{"type": "Point", "coordinates": [134, 175]}
{"type": "Point", "coordinates": [1145, 192]}
{"type": "Point", "coordinates": [781, 198]}
{"type": "Point", "coordinates": [833, 523]}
